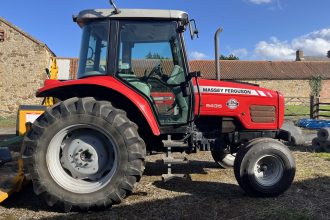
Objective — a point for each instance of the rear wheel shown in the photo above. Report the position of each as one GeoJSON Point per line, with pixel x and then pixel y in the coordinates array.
{"type": "Point", "coordinates": [84, 153]}
{"type": "Point", "coordinates": [264, 167]}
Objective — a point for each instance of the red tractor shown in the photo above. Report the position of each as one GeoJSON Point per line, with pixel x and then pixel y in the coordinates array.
{"type": "Point", "coordinates": [135, 94]}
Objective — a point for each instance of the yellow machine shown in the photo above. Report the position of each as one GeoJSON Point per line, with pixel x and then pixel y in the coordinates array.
{"type": "Point", "coordinates": [12, 179]}
{"type": "Point", "coordinates": [49, 101]}
{"type": "Point", "coordinates": [12, 176]}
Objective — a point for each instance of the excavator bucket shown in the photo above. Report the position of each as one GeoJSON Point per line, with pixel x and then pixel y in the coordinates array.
{"type": "Point", "coordinates": [11, 169]}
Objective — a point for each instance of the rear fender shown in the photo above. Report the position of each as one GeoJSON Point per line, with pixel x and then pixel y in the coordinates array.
{"type": "Point", "coordinates": [103, 87]}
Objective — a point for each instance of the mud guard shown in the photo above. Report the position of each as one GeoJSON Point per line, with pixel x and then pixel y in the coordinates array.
{"type": "Point", "coordinates": [54, 88]}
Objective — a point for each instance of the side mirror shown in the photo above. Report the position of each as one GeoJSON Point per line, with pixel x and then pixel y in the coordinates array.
{"type": "Point", "coordinates": [194, 74]}
{"type": "Point", "coordinates": [193, 29]}
{"type": "Point", "coordinates": [184, 86]}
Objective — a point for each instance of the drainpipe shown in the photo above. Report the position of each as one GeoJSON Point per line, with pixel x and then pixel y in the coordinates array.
{"type": "Point", "coordinates": [217, 57]}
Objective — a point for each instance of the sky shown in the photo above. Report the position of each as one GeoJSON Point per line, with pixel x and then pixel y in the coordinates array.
{"type": "Point", "coordinates": [253, 29]}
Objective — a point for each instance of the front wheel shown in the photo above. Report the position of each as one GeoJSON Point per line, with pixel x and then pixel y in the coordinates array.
{"type": "Point", "coordinates": [84, 153]}
{"type": "Point", "coordinates": [264, 167]}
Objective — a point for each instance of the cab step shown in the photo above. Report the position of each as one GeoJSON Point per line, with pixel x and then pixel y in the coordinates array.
{"type": "Point", "coordinates": [169, 160]}
{"type": "Point", "coordinates": [174, 144]}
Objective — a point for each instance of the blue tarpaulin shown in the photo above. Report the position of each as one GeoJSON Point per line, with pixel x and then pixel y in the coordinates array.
{"type": "Point", "coordinates": [313, 123]}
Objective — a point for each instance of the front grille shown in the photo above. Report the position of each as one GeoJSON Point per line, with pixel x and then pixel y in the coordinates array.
{"type": "Point", "coordinates": [263, 113]}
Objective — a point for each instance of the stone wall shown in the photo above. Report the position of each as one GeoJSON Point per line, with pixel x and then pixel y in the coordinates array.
{"type": "Point", "coordinates": [22, 69]}
{"type": "Point", "coordinates": [325, 89]}
{"type": "Point", "coordinates": [292, 88]}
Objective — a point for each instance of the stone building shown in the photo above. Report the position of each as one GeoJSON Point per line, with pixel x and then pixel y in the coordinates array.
{"type": "Point", "coordinates": [23, 60]}
{"type": "Point", "coordinates": [288, 77]}
{"type": "Point", "coordinates": [300, 56]}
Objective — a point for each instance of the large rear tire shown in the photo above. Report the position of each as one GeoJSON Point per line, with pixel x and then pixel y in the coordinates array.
{"type": "Point", "coordinates": [264, 167]}
{"type": "Point", "coordinates": [84, 153]}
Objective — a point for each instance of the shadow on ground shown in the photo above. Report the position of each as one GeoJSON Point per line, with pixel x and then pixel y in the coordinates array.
{"type": "Point", "coordinates": [26, 199]}
{"type": "Point", "coordinates": [207, 200]}
{"type": "Point", "coordinates": [308, 199]}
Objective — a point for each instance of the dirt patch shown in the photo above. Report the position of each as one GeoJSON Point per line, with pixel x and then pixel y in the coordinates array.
{"type": "Point", "coordinates": [210, 193]}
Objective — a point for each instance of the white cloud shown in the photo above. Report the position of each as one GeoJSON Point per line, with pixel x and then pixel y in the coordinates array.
{"type": "Point", "coordinates": [274, 50]}
{"type": "Point", "coordinates": [258, 2]}
{"type": "Point", "coordinates": [241, 52]}
{"type": "Point", "coordinates": [195, 55]}
{"type": "Point", "coordinates": [316, 43]}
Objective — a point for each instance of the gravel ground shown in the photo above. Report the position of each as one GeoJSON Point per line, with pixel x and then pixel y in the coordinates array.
{"type": "Point", "coordinates": [210, 193]}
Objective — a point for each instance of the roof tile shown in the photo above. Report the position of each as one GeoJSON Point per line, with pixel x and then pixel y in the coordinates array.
{"type": "Point", "coordinates": [248, 70]}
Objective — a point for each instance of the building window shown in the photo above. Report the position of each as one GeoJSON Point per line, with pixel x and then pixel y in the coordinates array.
{"type": "Point", "coordinates": [2, 35]}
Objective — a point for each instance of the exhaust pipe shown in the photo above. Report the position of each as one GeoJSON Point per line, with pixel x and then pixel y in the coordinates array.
{"type": "Point", "coordinates": [217, 57]}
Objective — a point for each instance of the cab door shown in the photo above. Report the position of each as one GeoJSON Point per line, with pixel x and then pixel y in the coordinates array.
{"type": "Point", "coordinates": [150, 60]}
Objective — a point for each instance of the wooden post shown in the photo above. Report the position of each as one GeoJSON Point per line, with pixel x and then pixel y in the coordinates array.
{"type": "Point", "coordinates": [311, 107]}
{"type": "Point", "coordinates": [317, 107]}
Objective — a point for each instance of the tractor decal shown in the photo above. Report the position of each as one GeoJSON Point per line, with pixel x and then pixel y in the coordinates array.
{"type": "Point", "coordinates": [232, 104]}
{"type": "Point", "coordinates": [227, 90]}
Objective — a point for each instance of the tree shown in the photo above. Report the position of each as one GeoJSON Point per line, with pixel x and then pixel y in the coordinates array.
{"type": "Point", "coordinates": [230, 57]}
{"type": "Point", "coordinates": [328, 54]}
{"type": "Point", "coordinates": [155, 56]}
{"type": "Point", "coordinates": [315, 82]}
{"type": "Point", "coordinates": [149, 55]}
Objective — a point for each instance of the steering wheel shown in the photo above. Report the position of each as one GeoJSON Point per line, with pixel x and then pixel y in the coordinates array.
{"type": "Point", "coordinates": [157, 70]}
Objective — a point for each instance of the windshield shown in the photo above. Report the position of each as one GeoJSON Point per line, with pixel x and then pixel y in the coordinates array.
{"type": "Point", "coordinates": [94, 49]}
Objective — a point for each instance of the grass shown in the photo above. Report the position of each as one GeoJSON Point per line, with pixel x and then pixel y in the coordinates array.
{"type": "Point", "coordinates": [297, 110]}
{"type": "Point", "coordinates": [323, 155]}
{"type": "Point", "coordinates": [286, 213]}
{"type": "Point", "coordinates": [8, 122]}
{"type": "Point", "coordinates": [303, 110]}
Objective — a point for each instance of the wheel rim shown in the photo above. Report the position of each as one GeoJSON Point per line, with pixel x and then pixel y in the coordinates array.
{"type": "Point", "coordinates": [81, 158]}
{"type": "Point", "coordinates": [268, 170]}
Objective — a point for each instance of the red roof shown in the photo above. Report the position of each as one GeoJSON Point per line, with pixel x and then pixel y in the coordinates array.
{"type": "Point", "coordinates": [250, 70]}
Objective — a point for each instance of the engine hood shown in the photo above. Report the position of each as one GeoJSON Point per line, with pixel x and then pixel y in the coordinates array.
{"type": "Point", "coordinates": [253, 106]}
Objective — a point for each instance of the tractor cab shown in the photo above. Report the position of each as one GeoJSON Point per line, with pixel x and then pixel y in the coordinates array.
{"type": "Point", "coordinates": [143, 49]}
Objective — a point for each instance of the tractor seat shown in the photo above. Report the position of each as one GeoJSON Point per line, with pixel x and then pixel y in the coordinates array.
{"type": "Point", "coordinates": [136, 82]}
{"type": "Point", "coordinates": [177, 77]}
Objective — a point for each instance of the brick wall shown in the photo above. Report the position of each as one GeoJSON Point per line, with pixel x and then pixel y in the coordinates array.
{"type": "Point", "coordinates": [22, 69]}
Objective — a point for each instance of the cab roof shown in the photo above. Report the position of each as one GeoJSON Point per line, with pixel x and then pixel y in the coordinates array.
{"type": "Point", "coordinates": [154, 14]}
